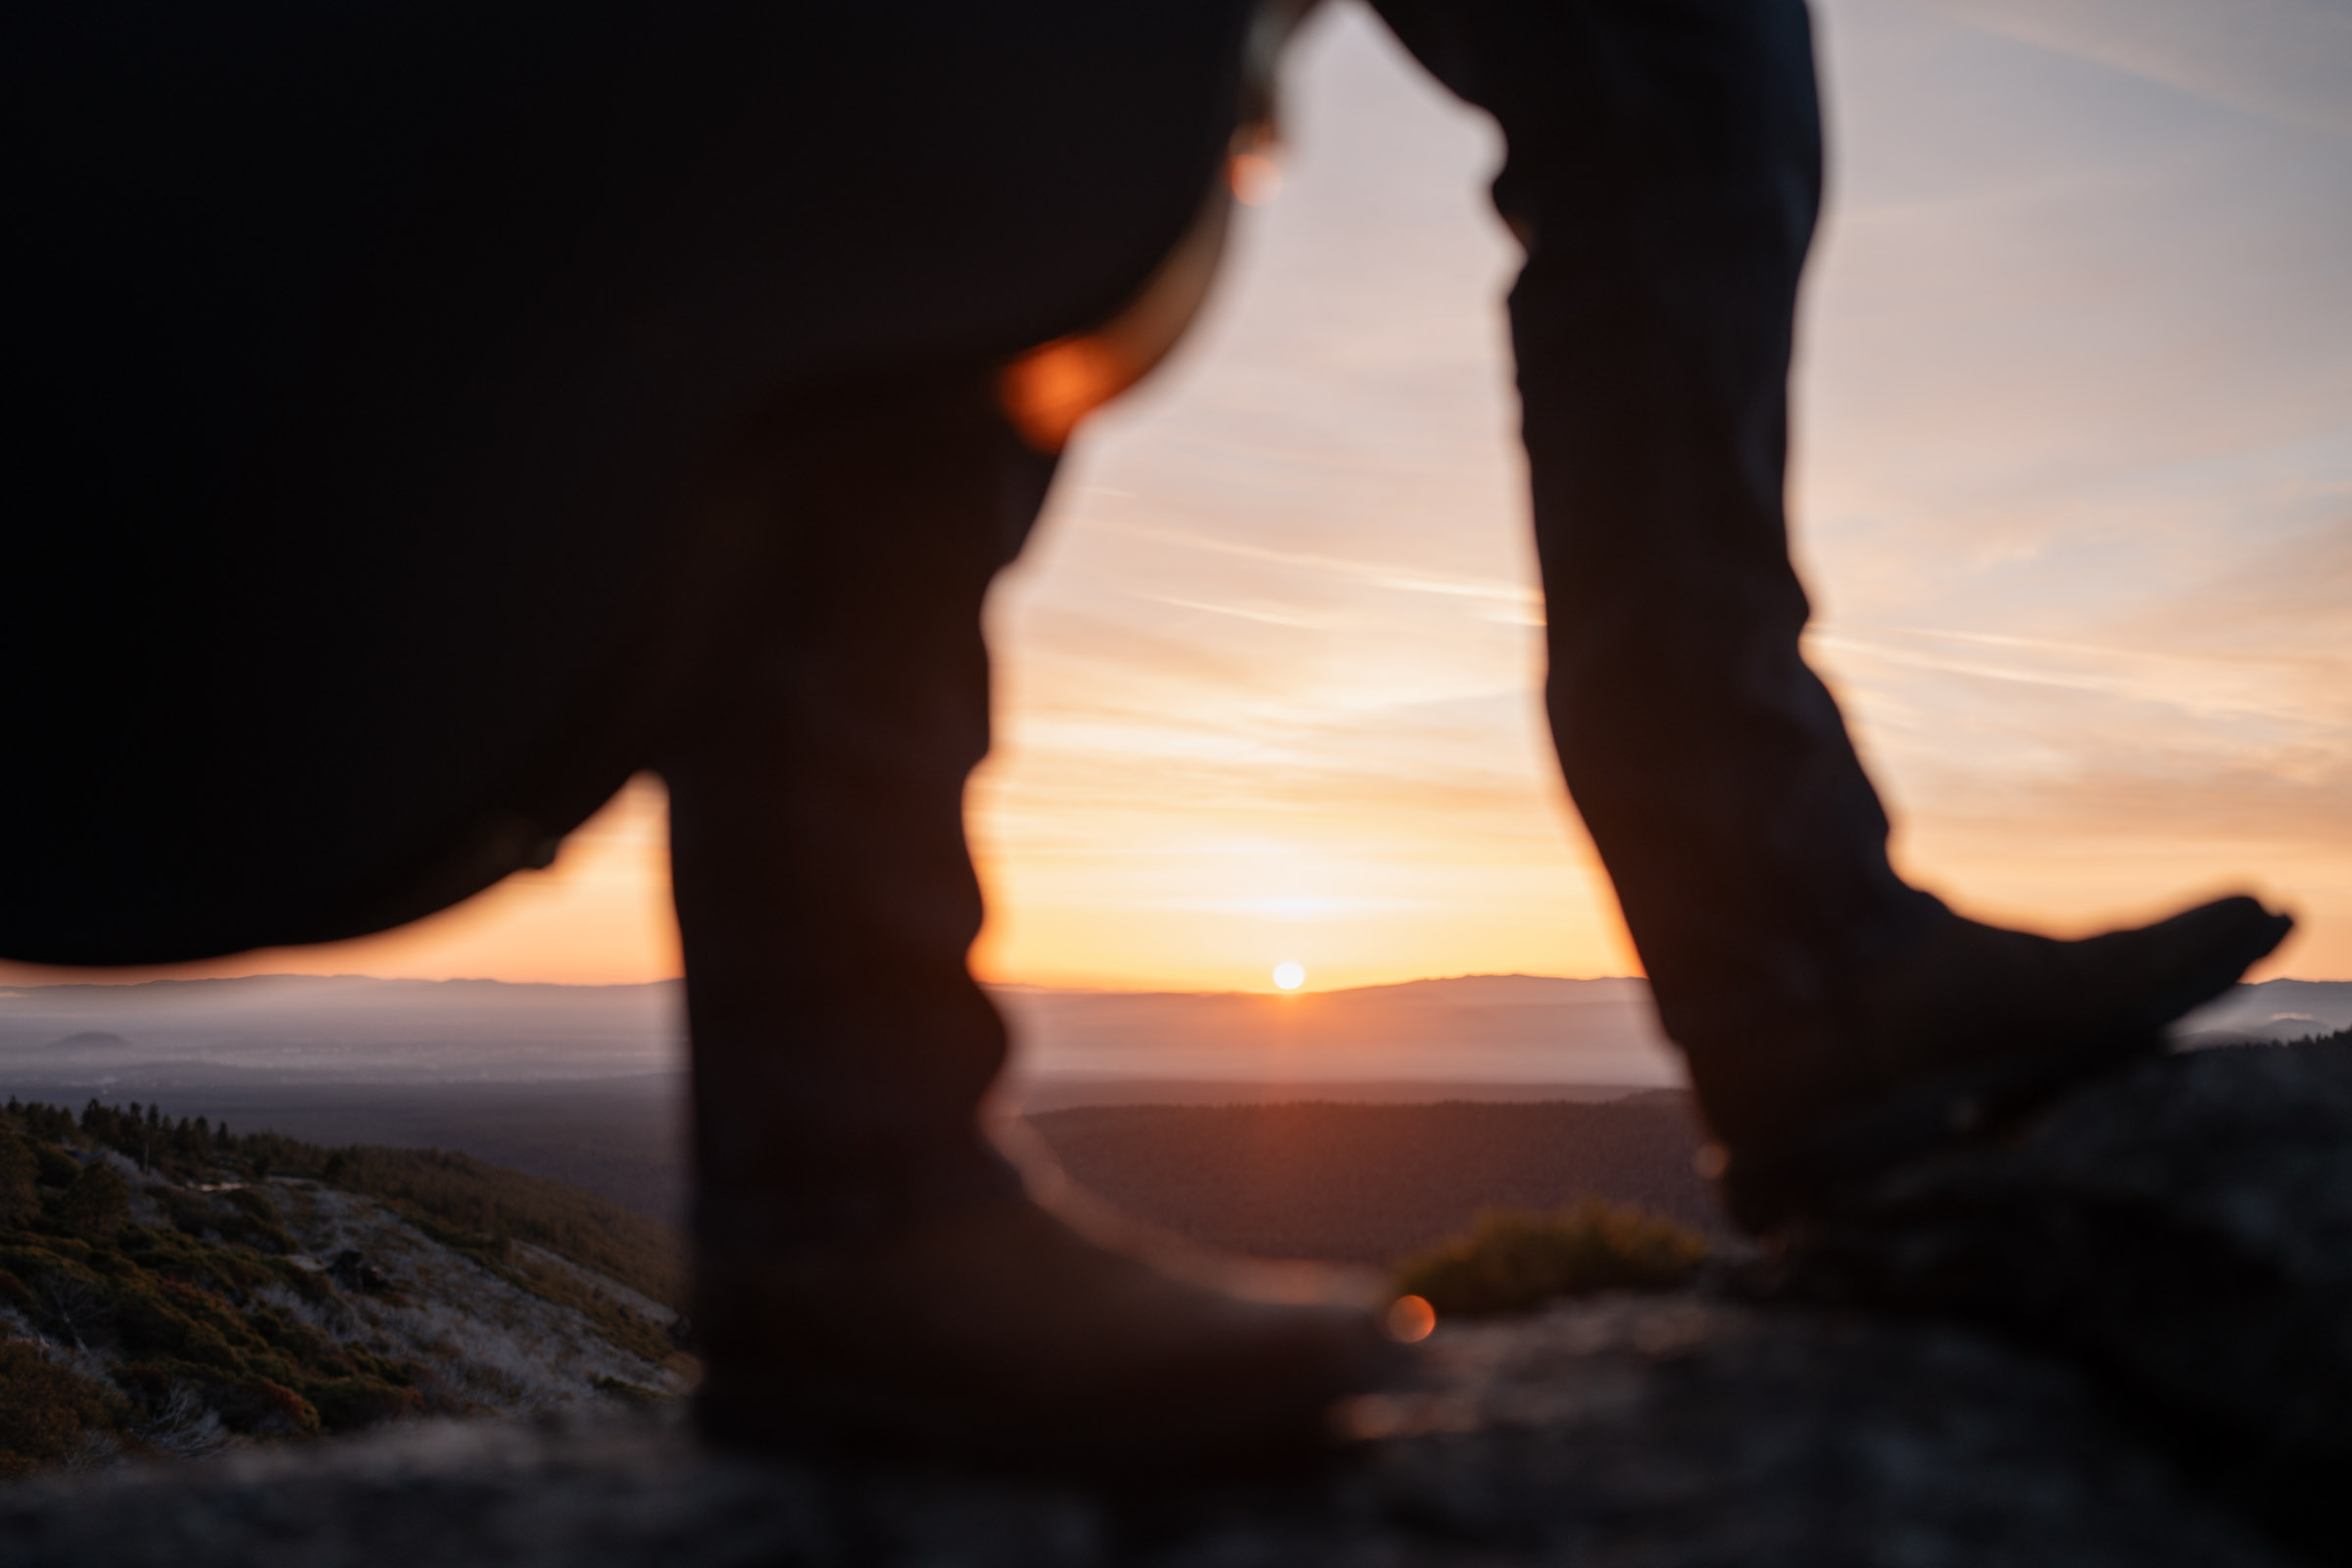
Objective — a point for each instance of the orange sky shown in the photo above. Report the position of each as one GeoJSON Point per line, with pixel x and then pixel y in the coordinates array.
{"type": "Point", "coordinates": [2073, 488]}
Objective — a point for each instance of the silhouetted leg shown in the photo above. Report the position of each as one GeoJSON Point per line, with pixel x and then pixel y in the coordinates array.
{"type": "Point", "coordinates": [1664, 170]}
{"type": "Point", "coordinates": [869, 1274]}
{"type": "Point", "coordinates": [824, 892]}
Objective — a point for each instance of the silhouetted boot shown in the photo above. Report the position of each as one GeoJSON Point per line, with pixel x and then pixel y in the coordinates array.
{"type": "Point", "coordinates": [871, 1277]}
{"type": "Point", "coordinates": [994, 1334]}
{"type": "Point", "coordinates": [1664, 172]}
{"type": "Point", "coordinates": [1962, 1031]}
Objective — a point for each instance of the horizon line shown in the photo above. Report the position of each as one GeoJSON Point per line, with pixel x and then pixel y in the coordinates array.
{"type": "Point", "coordinates": [17, 988]}
{"type": "Point", "coordinates": [14, 987]}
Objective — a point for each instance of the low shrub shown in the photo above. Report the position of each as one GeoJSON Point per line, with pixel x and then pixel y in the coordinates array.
{"type": "Point", "coordinates": [47, 1412]}
{"type": "Point", "coordinates": [346, 1404]}
{"type": "Point", "coordinates": [256, 1406]}
{"type": "Point", "coordinates": [98, 1204]}
{"type": "Point", "coordinates": [57, 1168]}
{"type": "Point", "coordinates": [1513, 1261]}
{"type": "Point", "coordinates": [255, 1221]}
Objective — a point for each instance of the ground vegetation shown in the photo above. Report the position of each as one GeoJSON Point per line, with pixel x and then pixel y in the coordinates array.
{"type": "Point", "coordinates": [1514, 1262]}
{"type": "Point", "coordinates": [166, 1286]}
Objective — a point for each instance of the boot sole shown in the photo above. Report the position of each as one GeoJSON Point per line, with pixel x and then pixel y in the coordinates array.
{"type": "Point", "coordinates": [857, 1429]}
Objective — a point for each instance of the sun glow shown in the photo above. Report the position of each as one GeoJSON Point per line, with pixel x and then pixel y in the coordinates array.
{"type": "Point", "coordinates": [1289, 976]}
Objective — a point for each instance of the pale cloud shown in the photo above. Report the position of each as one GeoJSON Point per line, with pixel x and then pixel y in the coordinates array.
{"type": "Point", "coordinates": [1347, 570]}
{"type": "Point", "coordinates": [2076, 460]}
{"type": "Point", "coordinates": [2288, 60]}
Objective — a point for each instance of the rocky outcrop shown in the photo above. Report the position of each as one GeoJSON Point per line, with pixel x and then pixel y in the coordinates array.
{"type": "Point", "coordinates": [2184, 1234]}
{"type": "Point", "coordinates": [2120, 1337]}
{"type": "Point", "coordinates": [1632, 1431]}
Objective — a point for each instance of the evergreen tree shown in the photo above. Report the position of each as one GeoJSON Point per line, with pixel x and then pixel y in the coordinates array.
{"type": "Point", "coordinates": [98, 1204]}
{"type": "Point", "coordinates": [19, 1202]}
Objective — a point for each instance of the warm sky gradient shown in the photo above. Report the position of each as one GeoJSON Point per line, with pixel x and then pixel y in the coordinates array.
{"type": "Point", "coordinates": [2075, 491]}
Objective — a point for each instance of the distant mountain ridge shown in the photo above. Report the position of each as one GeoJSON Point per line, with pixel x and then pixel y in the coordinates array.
{"type": "Point", "coordinates": [2271, 1010]}
{"type": "Point", "coordinates": [1460, 1030]}
{"type": "Point", "coordinates": [1470, 1028]}
{"type": "Point", "coordinates": [360, 1026]}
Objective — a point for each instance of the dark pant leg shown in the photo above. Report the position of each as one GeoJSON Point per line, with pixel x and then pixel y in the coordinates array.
{"type": "Point", "coordinates": [1665, 169]}
{"type": "Point", "coordinates": [824, 892]}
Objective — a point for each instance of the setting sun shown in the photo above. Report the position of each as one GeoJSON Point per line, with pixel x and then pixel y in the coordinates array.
{"type": "Point", "coordinates": [1289, 976]}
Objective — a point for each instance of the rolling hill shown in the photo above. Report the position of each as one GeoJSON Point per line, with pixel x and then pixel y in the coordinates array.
{"type": "Point", "coordinates": [166, 1288]}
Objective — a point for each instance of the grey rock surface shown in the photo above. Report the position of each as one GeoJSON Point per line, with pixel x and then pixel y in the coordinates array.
{"type": "Point", "coordinates": [2122, 1335]}
{"type": "Point", "coordinates": [2183, 1233]}
{"type": "Point", "coordinates": [1628, 1433]}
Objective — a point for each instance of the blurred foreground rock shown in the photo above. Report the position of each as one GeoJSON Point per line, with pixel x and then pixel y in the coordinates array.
{"type": "Point", "coordinates": [2184, 1234]}
{"type": "Point", "coordinates": [2122, 1339]}
{"type": "Point", "coordinates": [1663, 1431]}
